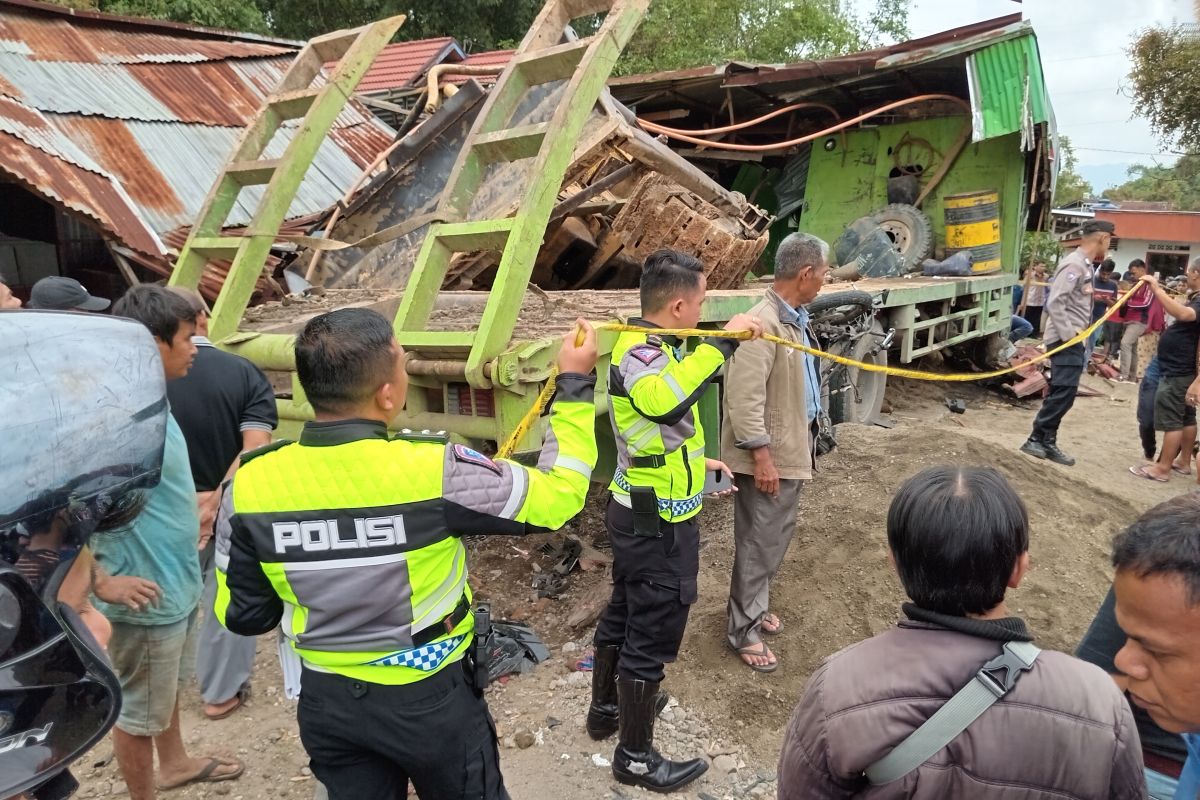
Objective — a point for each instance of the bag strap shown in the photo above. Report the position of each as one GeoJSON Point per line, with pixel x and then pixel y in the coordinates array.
{"type": "Point", "coordinates": [994, 680]}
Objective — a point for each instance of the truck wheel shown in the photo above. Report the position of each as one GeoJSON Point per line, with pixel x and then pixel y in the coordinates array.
{"type": "Point", "coordinates": [909, 229]}
{"type": "Point", "coordinates": [839, 308]}
{"type": "Point", "coordinates": [854, 394]}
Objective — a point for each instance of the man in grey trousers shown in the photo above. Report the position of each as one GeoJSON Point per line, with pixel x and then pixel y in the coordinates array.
{"type": "Point", "coordinates": [772, 399]}
{"type": "Point", "coordinates": [224, 406]}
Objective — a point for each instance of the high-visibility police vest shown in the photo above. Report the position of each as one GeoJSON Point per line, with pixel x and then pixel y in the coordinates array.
{"type": "Point", "coordinates": [348, 539]}
{"type": "Point", "coordinates": [652, 392]}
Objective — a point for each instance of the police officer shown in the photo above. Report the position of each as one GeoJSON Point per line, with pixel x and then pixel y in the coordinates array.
{"type": "Point", "coordinates": [1069, 311]}
{"type": "Point", "coordinates": [349, 538]}
{"type": "Point", "coordinates": [651, 519]}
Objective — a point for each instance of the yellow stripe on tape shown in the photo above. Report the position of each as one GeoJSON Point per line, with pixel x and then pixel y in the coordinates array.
{"type": "Point", "coordinates": [538, 407]}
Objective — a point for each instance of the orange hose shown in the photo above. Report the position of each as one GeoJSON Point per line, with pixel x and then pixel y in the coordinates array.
{"type": "Point", "coordinates": [759, 148]}
{"type": "Point", "coordinates": [656, 128]}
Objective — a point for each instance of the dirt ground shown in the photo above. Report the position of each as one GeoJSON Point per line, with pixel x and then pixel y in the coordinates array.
{"type": "Point", "coordinates": [835, 588]}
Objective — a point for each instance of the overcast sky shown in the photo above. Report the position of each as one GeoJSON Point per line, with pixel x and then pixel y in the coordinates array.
{"type": "Point", "coordinates": [1083, 45]}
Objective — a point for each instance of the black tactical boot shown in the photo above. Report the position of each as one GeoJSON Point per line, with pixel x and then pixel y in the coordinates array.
{"type": "Point", "coordinates": [635, 761]}
{"type": "Point", "coordinates": [1050, 445]}
{"type": "Point", "coordinates": [1034, 446]}
{"type": "Point", "coordinates": [603, 712]}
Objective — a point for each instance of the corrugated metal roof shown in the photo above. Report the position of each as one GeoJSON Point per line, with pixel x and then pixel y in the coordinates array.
{"type": "Point", "coordinates": [402, 64]}
{"type": "Point", "coordinates": [169, 169]}
{"type": "Point", "coordinates": [129, 124]}
{"type": "Point", "coordinates": [85, 192]}
{"type": "Point", "coordinates": [211, 92]}
{"type": "Point", "coordinates": [57, 38]}
{"type": "Point", "coordinates": [1008, 91]}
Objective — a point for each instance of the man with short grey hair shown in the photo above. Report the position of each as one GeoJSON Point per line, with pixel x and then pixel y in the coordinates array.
{"type": "Point", "coordinates": [772, 400]}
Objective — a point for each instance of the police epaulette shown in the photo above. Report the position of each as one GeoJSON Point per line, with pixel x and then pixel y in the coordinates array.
{"type": "Point", "coordinates": [250, 455]}
{"type": "Point", "coordinates": [432, 437]}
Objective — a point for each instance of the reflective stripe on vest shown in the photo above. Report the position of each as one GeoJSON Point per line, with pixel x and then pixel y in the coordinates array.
{"type": "Point", "coordinates": [366, 561]}
{"type": "Point", "coordinates": [678, 482]}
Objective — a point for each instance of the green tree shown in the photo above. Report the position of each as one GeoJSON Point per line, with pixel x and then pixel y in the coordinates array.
{"type": "Point", "coordinates": [1071, 186]}
{"type": "Point", "coordinates": [476, 24]}
{"type": "Point", "coordinates": [1165, 80]}
{"type": "Point", "coordinates": [1178, 185]}
{"type": "Point", "coordinates": [677, 34]}
{"type": "Point", "coordinates": [1040, 246]}
{"type": "Point", "coordinates": [236, 15]}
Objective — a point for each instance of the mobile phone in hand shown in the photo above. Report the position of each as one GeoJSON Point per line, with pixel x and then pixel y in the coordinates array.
{"type": "Point", "coordinates": [716, 481]}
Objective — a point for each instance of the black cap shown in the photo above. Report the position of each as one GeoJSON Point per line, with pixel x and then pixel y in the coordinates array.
{"type": "Point", "coordinates": [64, 294]}
{"type": "Point", "coordinates": [1098, 226]}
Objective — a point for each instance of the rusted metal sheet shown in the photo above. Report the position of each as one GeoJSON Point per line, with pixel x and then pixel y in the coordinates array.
{"type": "Point", "coordinates": [211, 92]}
{"type": "Point", "coordinates": [47, 33]}
{"type": "Point", "coordinates": [117, 152]}
{"type": "Point", "coordinates": [171, 167]}
{"type": "Point", "coordinates": [79, 190]}
{"type": "Point", "coordinates": [761, 85]}
{"type": "Point", "coordinates": [141, 116]}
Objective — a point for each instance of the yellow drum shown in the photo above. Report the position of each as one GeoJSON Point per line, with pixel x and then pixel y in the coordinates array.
{"type": "Point", "coordinates": [973, 223]}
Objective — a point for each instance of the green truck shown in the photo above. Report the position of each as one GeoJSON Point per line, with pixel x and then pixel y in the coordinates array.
{"type": "Point", "coordinates": [479, 359]}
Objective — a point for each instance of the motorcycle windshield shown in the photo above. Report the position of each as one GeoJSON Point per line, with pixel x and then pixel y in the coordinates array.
{"type": "Point", "coordinates": [83, 415]}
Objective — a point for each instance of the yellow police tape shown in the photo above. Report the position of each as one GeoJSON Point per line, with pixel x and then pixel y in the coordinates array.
{"type": "Point", "coordinates": [510, 445]}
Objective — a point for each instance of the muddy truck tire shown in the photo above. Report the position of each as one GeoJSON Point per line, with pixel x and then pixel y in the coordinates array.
{"type": "Point", "coordinates": [850, 394]}
{"type": "Point", "coordinates": [853, 394]}
{"type": "Point", "coordinates": [836, 309]}
{"type": "Point", "coordinates": [910, 230]}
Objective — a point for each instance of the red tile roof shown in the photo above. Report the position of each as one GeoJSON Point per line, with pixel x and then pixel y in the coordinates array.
{"type": "Point", "coordinates": [404, 63]}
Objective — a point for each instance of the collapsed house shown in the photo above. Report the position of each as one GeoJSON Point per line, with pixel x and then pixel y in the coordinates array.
{"type": "Point", "coordinates": [112, 131]}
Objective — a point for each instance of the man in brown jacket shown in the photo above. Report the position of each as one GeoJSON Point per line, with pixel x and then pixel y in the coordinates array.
{"type": "Point", "coordinates": [772, 398]}
{"type": "Point", "coordinates": [959, 537]}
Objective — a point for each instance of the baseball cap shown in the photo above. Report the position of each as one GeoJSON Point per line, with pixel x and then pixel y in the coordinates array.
{"type": "Point", "coordinates": [57, 293]}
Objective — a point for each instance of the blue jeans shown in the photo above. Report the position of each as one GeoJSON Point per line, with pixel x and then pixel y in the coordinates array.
{"type": "Point", "coordinates": [1021, 329]}
{"type": "Point", "coordinates": [1159, 786]}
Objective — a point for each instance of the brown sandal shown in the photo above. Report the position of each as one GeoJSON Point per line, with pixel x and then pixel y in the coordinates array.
{"type": "Point", "coordinates": [243, 694]}
{"type": "Point", "coordinates": [762, 651]}
{"type": "Point", "coordinates": [207, 774]}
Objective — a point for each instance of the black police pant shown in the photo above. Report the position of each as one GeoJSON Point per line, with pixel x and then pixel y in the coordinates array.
{"type": "Point", "coordinates": [1066, 368]}
{"type": "Point", "coordinates": [366, 741]}
{"type": "Point", "coordinates": [654, 586]}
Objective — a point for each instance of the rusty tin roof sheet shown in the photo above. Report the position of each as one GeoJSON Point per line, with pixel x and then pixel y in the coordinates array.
{"type": "Point", "coordinates": [130, 123]}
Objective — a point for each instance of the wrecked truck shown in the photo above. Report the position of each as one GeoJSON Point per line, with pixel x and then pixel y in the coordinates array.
{"type": "Point", "coordinates": [497, 219]}
{"type": "Point", "coordinates": [936, 145]}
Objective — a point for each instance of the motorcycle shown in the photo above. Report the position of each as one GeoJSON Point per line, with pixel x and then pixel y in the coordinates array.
{"type": "Point", "coordinates": [83, 416]}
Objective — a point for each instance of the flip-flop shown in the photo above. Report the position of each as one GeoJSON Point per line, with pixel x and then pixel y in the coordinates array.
{"type": "Point", "coordinates": [1185, 472]}
{"type": "Point", "coordinates": [1141, 473]}
{"type": "Point", "coordinates": [206, 775]}
{"type": "Point", "coordinates": [760, 649]}
{"type": "Point", "coordinates": [776, 622]}
{"type": "Point", "coordinates": [243, 694]}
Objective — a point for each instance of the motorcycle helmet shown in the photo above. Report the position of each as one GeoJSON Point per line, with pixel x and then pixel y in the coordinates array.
{"type": "Point", "coordinates": [83, 416]}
